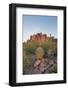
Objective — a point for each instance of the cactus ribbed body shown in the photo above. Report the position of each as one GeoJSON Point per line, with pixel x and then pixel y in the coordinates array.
{"type": "Point", "coordinates": [39, 53]}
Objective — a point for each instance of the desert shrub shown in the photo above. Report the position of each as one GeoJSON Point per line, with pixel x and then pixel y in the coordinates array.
{"type": "Point", "coordinates": [53, 69]}
{"type": "Point", "coordinates": [26, 62]}
{"type": "Point", "coordinates": [30, 48]}
{"type": "Point", "coordinates": [50, 47]}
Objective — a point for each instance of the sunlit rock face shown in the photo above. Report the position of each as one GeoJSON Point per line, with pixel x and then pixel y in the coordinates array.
{"type": "Point", "coordinates": [39, 37]}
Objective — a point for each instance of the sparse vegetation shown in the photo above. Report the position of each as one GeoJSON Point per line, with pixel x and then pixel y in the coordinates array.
{"type": "Point", "coordinates": [50, 50]}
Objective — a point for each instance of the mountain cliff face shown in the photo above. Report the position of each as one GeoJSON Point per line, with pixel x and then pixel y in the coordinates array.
{"type": "Point", "coordinates": [38, 37]}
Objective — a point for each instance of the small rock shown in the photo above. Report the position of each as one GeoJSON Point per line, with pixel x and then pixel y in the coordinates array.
{"type": "Point", "coordinates": [37, 63]}
{"type": "Point", "coordinates": [51, 62]}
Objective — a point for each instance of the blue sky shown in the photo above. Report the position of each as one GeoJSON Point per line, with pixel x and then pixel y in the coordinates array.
{"type": "Point", "coordinates": [36, 24]}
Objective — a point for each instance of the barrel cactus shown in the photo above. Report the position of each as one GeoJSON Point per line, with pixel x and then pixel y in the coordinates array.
{"type": "Point", "coordinates": [39, 53]}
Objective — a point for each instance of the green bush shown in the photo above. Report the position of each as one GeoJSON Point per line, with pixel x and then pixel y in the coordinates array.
{"type": "Point", "coordinates": [30, 48]}
{"type": "Point", "coordinates": [26, 62]}
{"type": "Point", "coordinates": [53, 69]}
